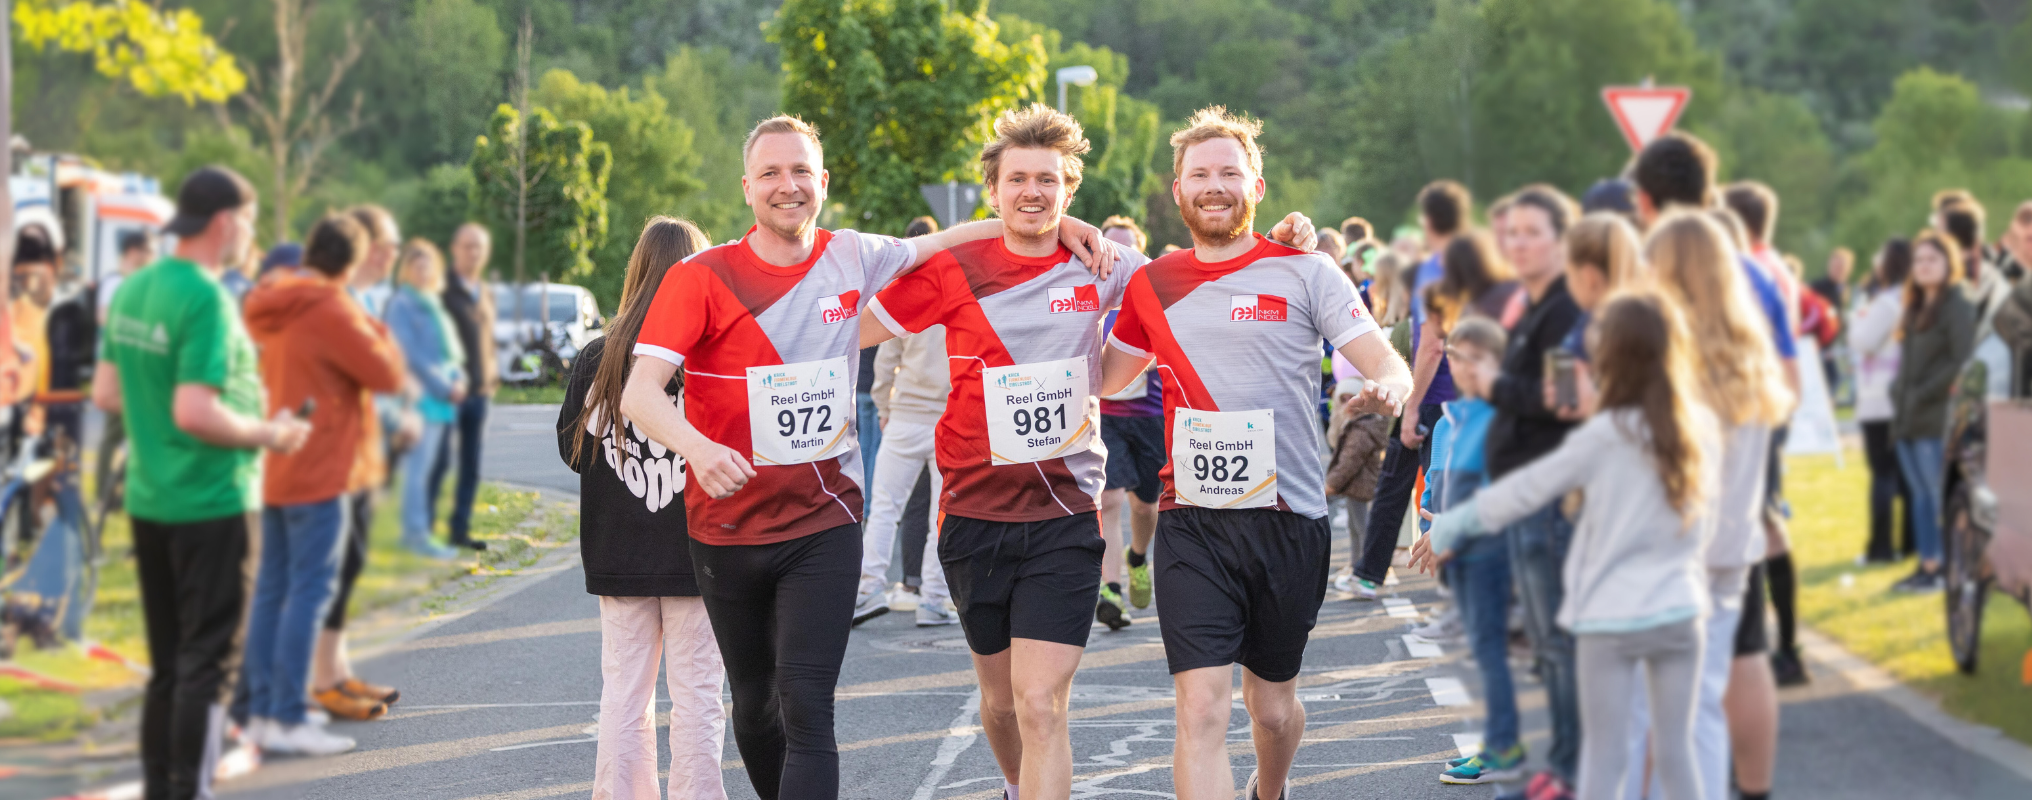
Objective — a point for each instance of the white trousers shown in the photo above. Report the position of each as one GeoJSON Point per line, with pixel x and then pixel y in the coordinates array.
{"type": "Point", "coordinates": [906, 451]}
{"type": "Point", "coordinates": [1710, 724]}
{"type": "Point", "coordinates": [635, 632]}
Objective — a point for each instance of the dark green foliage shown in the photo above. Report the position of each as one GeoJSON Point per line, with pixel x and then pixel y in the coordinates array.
{"type": "Point", "coordinates": [567, 201]}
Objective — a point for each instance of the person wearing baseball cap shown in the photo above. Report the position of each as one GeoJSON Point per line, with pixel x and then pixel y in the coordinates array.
{"type": "Point", "coordinates": [177, 362]}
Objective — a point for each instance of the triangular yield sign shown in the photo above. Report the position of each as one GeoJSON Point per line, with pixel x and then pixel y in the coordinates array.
{"type": "Point", "coordinates": [1645, 113]}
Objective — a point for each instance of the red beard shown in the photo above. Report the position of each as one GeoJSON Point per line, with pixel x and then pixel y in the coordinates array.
{"type": "Point", "coordinates": [1216, 233]}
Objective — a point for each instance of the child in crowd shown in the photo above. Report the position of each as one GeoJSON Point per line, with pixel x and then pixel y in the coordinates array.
{"type": "Point", "coordinates": [1636, 591]}
{"type": "Point", "coordinates": [638, 557]}
{"type": "Point", "coordinates": [1480, 572]}
{"type": "Point", "coordinates": [1601, 257]}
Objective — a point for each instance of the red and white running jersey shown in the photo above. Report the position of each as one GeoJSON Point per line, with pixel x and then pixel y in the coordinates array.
{"type": "Point", "coordinates": [1001, 310]}
{"type": "Point", "coordinates": [1244, 335]}
{"type": "Point", "coordinates": [725, 310]}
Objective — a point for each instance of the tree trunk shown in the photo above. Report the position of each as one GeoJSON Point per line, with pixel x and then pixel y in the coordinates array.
{"type": "Point", "coordinates": [7, 142]}
{"type": "Point", "coordinates": [521, 160]}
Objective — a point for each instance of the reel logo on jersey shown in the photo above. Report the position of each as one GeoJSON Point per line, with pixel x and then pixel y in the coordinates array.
{"type": "Point", "coordinates": [1256, 308]}
{"type": "Point", "coordinates": [1073, 299]}
{"type": "Point", "coordinates": [1356, 311]}
{"type": "Point", "coordinates": [839, 308]}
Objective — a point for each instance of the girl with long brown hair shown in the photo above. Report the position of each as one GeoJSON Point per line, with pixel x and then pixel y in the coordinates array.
{"type": "Point", "coordinates": [1936, 334]}
{"type": "Point", "coordinates": [1635, 592]}
{"type": "Point", "coordinates": [638, 558]}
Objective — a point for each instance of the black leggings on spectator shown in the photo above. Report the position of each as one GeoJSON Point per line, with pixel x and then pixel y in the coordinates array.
{"type": "Point", "coordinates": [781, 613]}
{"type": "Point", "coordinates": [1886, 484]}
{"type": "Point", "coordinates": [1394, 491]}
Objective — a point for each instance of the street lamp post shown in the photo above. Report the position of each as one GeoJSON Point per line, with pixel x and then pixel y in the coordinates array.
{"type": "Point", "coordinates": [1079, 76]}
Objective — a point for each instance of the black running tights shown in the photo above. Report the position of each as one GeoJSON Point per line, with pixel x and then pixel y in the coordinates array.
{"type": "Point", "coordinates": [781, 613]}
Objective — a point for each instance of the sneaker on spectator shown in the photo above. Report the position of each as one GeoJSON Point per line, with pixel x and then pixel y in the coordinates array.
{"type": "Point", "coordinates": [1921, 582]}
{"type": "Point", "coordinates": [870, 605]}
{"type": "Point", "coordinates": [1788, 669]}
{"type": "Point", "coordinates": [1442, 627]}
{"type": "Point", "coordinates": [1363, 588]}
{"type": "Point", "coordinates": [932, 612]}
{"type": "Point", "coordinates": [305, 739]}
{"type": "Point", "coordinates": [1547, 786]}
{"type": "Point", "coordinates": [903, 598]}
{"type": "Point", "coordinates": [1488, 767]}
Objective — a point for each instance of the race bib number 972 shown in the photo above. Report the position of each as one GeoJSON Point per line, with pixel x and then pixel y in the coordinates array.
{"type": "Point", "coordinates": [1037, 411]}
{"type": "Point", "coordinates": [800, 412]}
{"type": "Point", "coordinates": [1224, 459]}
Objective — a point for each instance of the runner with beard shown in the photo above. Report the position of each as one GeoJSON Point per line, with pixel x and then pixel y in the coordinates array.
{"type": "Point", "coordinates": [1019, 445]}
{"type": "Point", "coordinates": [762, 330]}
{"type": "Point", "coordinates": [1234, 325]}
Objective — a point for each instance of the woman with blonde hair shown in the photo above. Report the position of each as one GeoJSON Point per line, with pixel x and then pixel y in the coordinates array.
{"type": "Point", "coordinates": [1602, 255]}
{"type": "Point", "coordinates": [1694, 262]}
{"type": "Point", "coordinates": [430, 345]}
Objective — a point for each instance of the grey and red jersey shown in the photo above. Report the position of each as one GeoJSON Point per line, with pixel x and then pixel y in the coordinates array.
{"type": "Point", "coordinates": [1244, 335]}
{"type": "Point", "coordinates": [725, 310]}
{"type": "Point", "coordinates": [999, 310]}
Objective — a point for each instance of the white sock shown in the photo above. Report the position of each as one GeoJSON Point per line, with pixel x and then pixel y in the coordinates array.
{"type": "Point", "coordinates": [1009, 789]}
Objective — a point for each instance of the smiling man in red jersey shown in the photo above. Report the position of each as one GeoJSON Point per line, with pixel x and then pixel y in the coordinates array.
{"type": "Point", "coordinates": [1235, 325]}
{"type": "Point", "coordinates": [765, 331]}
{"type": "Point", "coordinates": [1019, 444]}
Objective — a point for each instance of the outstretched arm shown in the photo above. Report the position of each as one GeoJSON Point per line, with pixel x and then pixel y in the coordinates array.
{"type": "Point", "coordinates": [1389, 379]}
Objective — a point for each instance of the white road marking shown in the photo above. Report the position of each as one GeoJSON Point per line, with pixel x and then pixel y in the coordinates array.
{"type": "Point", "coordinates": [1448, 691]}
{"type": "Point", "coordinates": [1400, 607]}
{"type": "Point", "coordinates": [961, 736]}
{"type": "Point", "coordinates": [541, 744]}
{"type": "Point", "coordinates": [1468, 743]}
{"type": "Point", "coordinates": [1421, 647]}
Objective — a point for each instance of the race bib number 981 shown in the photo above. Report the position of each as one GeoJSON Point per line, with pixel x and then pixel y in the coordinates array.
{"type": "Point", "coordinates": [1224, 459]}
{"type": "Point", "coordinates": [800, 412]}
{"type": "Point", "coordinates": [1037, 411]}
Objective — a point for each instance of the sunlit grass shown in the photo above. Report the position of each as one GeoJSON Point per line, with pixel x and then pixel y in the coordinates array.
{"type": "Point", "coordinates": [1904, 634]}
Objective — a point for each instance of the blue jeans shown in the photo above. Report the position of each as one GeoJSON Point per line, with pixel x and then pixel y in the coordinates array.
{"type": "Point", "coordinates": [870, 427]}
{"type": "Point", "coordinates": [417, 512]}
{"type": "Point", "coordinates": [301, 547]}
{"type": "Point", "coordinates": [1538, 545]}
{"type": "Point", "coordinates": [1919, 461]}
{"type": "Point", "coordinates": [1480, 576]}
{"type": "Point", "coordinates": [52, 586]}
{"type": "Point", "coordinates": [472, 431]}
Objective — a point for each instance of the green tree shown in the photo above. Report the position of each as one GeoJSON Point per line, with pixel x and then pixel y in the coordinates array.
{"type": "Point", "coordinates": [442, 203]}
{"type": "Point", "coordinates": [160, 53]}
{"type": "Point", "coordinates": [1121, 129]}
{"type": "Point", "coordinates": [903, 91]}
{"type": "Point", "coordinates": [567, 170]}
{"type": "Point", "coordinates": [653, 165]}
{"type": "Point", "coordinates": [719, 96]}
{"type": "Point", "coordinates": [460, 47]}
{"type": "Point", "coordinates": [1777, 139]}
{"type": "Point", "coordinates": [1935, 132]}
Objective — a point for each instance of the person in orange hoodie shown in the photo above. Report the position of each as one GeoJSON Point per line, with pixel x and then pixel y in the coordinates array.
{"type": "Point", "coordinates": [320, 354]}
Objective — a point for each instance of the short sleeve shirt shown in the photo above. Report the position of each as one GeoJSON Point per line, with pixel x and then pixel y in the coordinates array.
{"type": "Point", "coordinates": [1001, 309]}
{"type": "Point", "coordinates": [1773, 303]}
{"type": "Point", "coordinates": [724, 310]}
{"type": "Point", "coordinates": [169, 325]}
{"type": "Point", "coordinates": [1243, 335]}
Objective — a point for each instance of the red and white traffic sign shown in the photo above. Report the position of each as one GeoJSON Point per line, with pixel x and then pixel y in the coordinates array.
{"type": "Point", "coordinates": [1645, 113]}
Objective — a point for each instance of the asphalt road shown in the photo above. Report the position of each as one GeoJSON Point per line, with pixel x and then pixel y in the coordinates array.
{"type": "Point", "coordinates": [501, 702]}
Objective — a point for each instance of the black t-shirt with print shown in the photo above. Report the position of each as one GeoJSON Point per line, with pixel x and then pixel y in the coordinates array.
{"type": "Point", "coordinates": [631, 500]}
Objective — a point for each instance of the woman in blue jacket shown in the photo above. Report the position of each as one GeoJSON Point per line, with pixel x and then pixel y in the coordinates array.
{"type": "Point", "coordinates": [431, 347]}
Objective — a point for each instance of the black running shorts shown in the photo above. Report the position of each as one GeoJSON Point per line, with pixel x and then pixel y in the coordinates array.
{"type": "Point", "coordinates": [1135, 454]}
{"type": "Point", "coordinates": [1752, 635]}
{"type": "Point", "coordinates": [1239, 586]}
{"type": "Point", "coordinates": [1023, 580]}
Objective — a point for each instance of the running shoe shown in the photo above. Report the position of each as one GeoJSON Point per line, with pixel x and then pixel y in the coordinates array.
{"type": "Point", "coordinates": [1139, 585]}
{"type": "Point", "coordinates": [903, 598]}
{"type": "Point", "coordinates": [1788, 669]}
{"type": "Point", "coordinates": [360, 688]}
{"type": "Point", "coordinates": [1249, 790]}
{"type": "Point", "coordinates": [1109, 610]}
{"type": "Point", "coordinates": [1364, 589]}
{"type": "Point", "coordinates": [1344, 582]}
{"type": "Point", "coordinates": [870, 605]}
{"type": "Point", "coordinates": [431, 550]}
{"type": "Point", "coordinates": [933, 613]}
{"type": "Point", "coordinates": [1488, 767]}
{"type": "Point", "coordinates": [1443, 627]}
{"type": "Point", "coordinates": [1547, 786]}
{"type": "Point", "coordinates": [304, 739]}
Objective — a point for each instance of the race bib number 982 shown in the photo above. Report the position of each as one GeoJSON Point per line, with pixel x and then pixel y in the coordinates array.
{"type": "Point", "coordinates": [1037, 411]}
{"type": "Point", "coordinates": [1224, 459]}
{"type": "Point", "coordinates": [800, 412]}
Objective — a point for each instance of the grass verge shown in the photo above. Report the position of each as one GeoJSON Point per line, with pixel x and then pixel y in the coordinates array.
{"type": "Point", "coordinates": [518, 529]}
{"type": "Point", "coordinates": [552, 394]}
{"type": "Point", "coordinates": [1904, 634]}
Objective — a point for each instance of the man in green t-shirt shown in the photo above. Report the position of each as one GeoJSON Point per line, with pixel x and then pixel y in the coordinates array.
{"type": "Point", "coordinates": [176, 361]}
